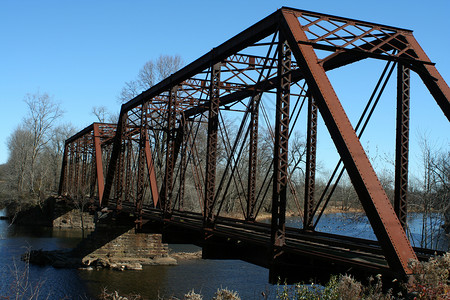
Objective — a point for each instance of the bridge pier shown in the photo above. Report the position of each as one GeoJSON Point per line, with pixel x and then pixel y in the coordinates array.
{"type": "Point", "coordinates": [116, 243]}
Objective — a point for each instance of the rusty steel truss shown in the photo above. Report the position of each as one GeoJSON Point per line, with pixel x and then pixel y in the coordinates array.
{"type": "Point", "coordinates": [182, 146]}
{"type": "Point", "coordinates": [85, 155]}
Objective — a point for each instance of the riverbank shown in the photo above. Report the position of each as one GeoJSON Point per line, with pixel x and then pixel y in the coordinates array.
{"type": "Point", "coordinates": [264, 216]}
{"type": "Point", "coordinates": [431, 280]}
{"type": "Point", "coordinates": [64, 259]}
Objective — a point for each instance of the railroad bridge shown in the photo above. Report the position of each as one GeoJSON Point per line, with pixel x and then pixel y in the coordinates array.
{"type": "Point", "coordinates": [219, 133]}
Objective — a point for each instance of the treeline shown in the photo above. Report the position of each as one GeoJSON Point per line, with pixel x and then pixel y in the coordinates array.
{"type": "Point", "coordinates": [35, 152]}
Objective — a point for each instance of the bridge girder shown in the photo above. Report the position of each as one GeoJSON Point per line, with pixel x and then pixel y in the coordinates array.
{"type": "Point", "coordinates": [277, 57]}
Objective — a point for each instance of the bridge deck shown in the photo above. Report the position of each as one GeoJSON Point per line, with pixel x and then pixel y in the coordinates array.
{"type": "Point", "coordinates": [351, 253]}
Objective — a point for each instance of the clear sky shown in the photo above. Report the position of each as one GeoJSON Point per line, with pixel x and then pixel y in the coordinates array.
{"type": "Point", "coordinates": [82, 52]}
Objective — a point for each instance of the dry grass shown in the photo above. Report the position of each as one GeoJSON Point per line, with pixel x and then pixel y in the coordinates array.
{"type": "Point", "coordinates": [432, 278]}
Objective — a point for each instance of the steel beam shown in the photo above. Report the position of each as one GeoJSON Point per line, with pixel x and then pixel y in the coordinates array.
{"type": "Point", "coordinates": [183, 164]}
{"type": "Point", "coordinates": [77, 169]}
{"type": "Point", "coordinates": [374, 200]}
{"type": "Point", "coordinates": [431, 77]}
{"type": "Point", "coordinates": [402, 144]}
{"type": "Point", "coordinates": [128, 176]}
{"type": "Point", "coordinates": [93, 177]}
{"type": "Point", "coordinates": [280, 156]}
{"type": "Point", "coordinates": [70, 182]}
{"type": "Point", "coordinates": [211, 148]}
{"type": "Point", "coordinates": [151, 171]}
{"type": "Point", "coordinates": [117, 145]}
{"type": "Point", "coordinates": [98, 162]}
{"type": "Point", "coordinates": [83, 165]}
{"type": "Point", "coordinates": [120, 176]}
{"type": "Point", "coordinates": [140, 188]}
{"type": "Point", "coordinates": [167, 191]}
{"type": "Point", "coordinates": [253, 157]}
{"type": "Point", "coordinates": [310, 173]}
{"type": "Point", "coordinates": [246, 38]}
{"type": "Point", "coordinates": [63, 175]}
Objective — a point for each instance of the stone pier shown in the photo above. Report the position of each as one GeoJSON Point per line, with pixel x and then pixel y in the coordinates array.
{"type": "Point", "coordinates": [74, 219]}
{"type": "Point", "coordinates": [117, 245]}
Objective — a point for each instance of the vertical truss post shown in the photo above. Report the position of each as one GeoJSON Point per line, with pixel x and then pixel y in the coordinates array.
{"type": "Point", "coordinates": [402, 144]}
{"type": "Point", "coordinates": [84, 165]}
{"type": "Point", "coordinates": [151, 171]}
{"type": "Point", "coordinates": [310, 178]}
{"type": "Point", "coordinates": [211, 152]}
{"type": "Point", "coordinates": [166, 199]}
{"type": "Point", "coordinates": [141, 166]}
{"type": "Point", "coordinates": [98, 162]}
{"type": "Point", "coordinates": [129, 147]}
{"type": "Point", "coordinates": [93, 175]}
{"type": "Point", "coordinates": [253, 158]}
{"type": "Point", "coordinates": [183, 163]}
{"type": "Point", "coordinates": [118, 139]}
{"type": "Point", "coordinates": [120, 175]}
{"type": "Point", "coordinates": [70, 183]}
{"type": "Point", "coordinates": [280, 157]}
{"type": "Point", "coordinates": [77, 169]}
{"type": "Point", "coordinates": [63, 176]}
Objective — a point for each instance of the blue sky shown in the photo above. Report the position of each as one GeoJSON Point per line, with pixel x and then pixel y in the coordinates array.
{"type": "Point", "coordinates": [82, 52]}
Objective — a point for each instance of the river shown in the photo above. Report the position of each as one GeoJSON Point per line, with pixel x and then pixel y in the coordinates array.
{"type": "Point", "coordinates": [204, 276]}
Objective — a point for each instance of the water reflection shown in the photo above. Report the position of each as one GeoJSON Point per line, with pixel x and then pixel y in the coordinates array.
{"type": "Point", "coordinates": [204, 276]}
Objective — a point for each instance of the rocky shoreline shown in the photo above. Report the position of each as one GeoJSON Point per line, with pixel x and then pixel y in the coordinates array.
{"type": "Point", "coordinates": [68, 260]}
{"type": "Point", "coordinates": [186, 255]}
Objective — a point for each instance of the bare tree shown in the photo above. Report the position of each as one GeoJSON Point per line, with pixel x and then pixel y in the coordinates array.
{"type": "Point", "coordinates": [152, 72]}
{"type": "Point", "coordinates": [432, 195]}
{"type": "Point", "coordinates": [166, 65]}
{"type": "Point", "coordinates": [43, 112]}
{"type": "Point", "coordinates": [55, 150]}
{"type": "Point", "coordinates": [101, 112]}
{"type": "Point", "coordinates": [146, 75]}
{"type": "Point", "coordinates": [129, 91]}
{"type": "Point", "coordinates": [104, 115]}
{"type": "Point", "coordinates": [19, 146]}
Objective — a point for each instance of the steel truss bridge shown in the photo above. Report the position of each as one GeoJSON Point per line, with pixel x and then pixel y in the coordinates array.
{"type": "Point", "coordinates": [218, 134]}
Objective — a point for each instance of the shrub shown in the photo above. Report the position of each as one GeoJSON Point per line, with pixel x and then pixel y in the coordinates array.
{"type": "Point", "coordinates": [105, 295]}
{"type": "Point", "coordinates": [431, 279]}
{"type": "Point", "coordinates": [192, 296]}
{"type": "Point", "coordinates": [339, 287]}
{"type": "Point", "coordinates": [225, 294]}
{"type": "Point", "coordinates": [348, 287]}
